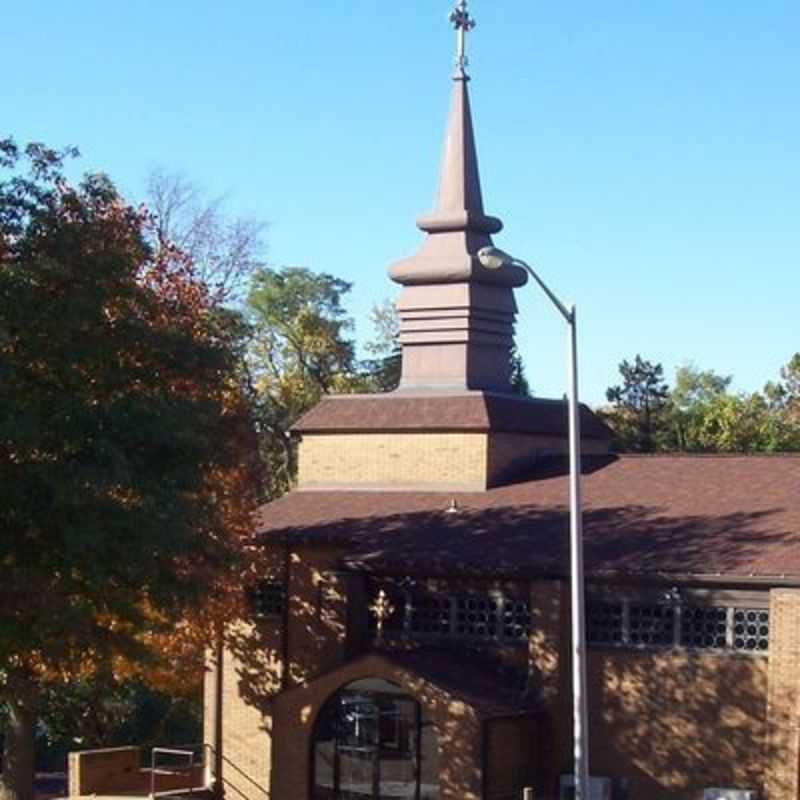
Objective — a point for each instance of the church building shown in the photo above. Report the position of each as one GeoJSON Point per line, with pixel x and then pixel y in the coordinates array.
{"type": "Point", "coordinates": [410, 633]}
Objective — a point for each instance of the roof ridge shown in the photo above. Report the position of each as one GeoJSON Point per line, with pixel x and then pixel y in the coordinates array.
{"type": "Point", "coordinates": [683, 454]}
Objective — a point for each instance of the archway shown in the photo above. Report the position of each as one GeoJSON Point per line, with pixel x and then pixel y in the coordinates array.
{"type": "Point", "coordinates": [374, 742]}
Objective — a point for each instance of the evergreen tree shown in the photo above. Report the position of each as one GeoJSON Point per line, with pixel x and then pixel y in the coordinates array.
{"type": "Point", "coordinates": [638, 405]}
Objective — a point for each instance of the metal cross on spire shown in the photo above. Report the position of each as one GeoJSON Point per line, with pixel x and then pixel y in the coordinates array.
{"type": "Point", "coordinates": [463, 23]}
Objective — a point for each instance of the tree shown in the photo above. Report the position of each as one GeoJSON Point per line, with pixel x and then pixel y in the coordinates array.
{"type": "Point", "coordinates": [638, 405]}
{"type": "Point", "coordinates": [125, 468]}
{"type": "Point", "coordinates": [224, 250]}
{"type": "Point", "coordinates": [694, 393]}
{"type": "Point", "coordinates": [519, 381]}
{"type": "Point", "coordinates": [744, 423]}
{"type": "Point", "coordinates": [784, 395]}
{"type": "Point", "coordinates": [300, 351]}
{"type": "Point", "coordinates": [384, 367]}
{"type": "Point", "coordinates": [790, 374]}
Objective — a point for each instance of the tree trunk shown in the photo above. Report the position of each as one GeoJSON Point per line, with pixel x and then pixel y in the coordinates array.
{"type": "Point", "coordinates": [16, 781]}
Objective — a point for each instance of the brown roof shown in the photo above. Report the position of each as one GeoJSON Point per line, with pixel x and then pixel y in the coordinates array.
{"type": "Point", "coordinates": [672, 514]}
{"type": "Point", "coordinates": [470, 411]}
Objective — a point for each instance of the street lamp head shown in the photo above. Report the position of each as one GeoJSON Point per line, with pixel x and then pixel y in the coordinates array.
{"type": "Point", "coordinates": [494, 258]}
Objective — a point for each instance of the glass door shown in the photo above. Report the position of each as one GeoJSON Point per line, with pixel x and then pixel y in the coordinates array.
{"type": "Point", "coordinates": [371, 743]}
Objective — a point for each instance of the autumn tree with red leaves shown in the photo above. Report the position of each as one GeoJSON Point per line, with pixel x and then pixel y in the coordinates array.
{"type": "Point", "coordinates": [126, 449]}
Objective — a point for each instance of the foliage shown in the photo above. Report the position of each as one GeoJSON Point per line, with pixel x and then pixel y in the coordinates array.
{"type": "Point", "coordinates": [125, 467]}
{"type": "Point", "coordinates": [384, 366]}
{"type": "Point", "coordinates": [519, 381]}
{"type": "Point", "coordinates": [638, 404]}
{"type": "Point", "coordinates": [104, 712]}
{"type": "Point", "coordinates": [694, 392]}
{"type": "Point", "coordinates": [301, 350]}
{"type": "Point", "coordinates": [784, 395]}
{"type": "Point", "coordinates": [700, 414]}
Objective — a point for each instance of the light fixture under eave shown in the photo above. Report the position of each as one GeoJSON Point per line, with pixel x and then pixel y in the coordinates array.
{"type": "Point", "coordinates": [453, 507]}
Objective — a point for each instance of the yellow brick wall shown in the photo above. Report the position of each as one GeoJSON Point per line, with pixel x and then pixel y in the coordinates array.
{"type": "Point", "coordinates": [670, 723]}
{"type": "Point", "coordinates": [674, 723]}
{"type": "Point", "coordinates": [783, 752]}
{"type": "Point", "coordinates": [247, 740]}
{"type": "Point", "coordinates": [458, 729]}
{"type": "Point", "coordinates": [317, 613]}
{"type": "Point", "coordinates": [393, 459]}
{"type": "Point", "coordinates": [448, 460]}
{"type": "Point", "coordinates": [254, 670]}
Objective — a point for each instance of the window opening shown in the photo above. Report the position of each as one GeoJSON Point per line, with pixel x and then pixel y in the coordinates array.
{"type": "Point", "coordinates": [267, 598]}
{"type": "Point", "coordinates": [678, 622]}
{"type": "Point", "coordinates": [421, 613]}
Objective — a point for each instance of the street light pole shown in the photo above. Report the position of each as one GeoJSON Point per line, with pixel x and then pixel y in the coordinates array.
{"type": "Point", "coordinates": [580, 711]}
{"type": "Point", "coordinates": [494, 258]}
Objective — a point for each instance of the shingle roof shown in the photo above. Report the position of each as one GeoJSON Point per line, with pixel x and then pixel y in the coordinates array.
{"type": "Point", "coordinates": [466, 411]}
{"type": "Point", "coordinates": [728, 515]}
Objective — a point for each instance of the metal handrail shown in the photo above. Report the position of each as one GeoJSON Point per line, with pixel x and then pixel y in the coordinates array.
{"type": "Point", "coordinates": [169, 751]}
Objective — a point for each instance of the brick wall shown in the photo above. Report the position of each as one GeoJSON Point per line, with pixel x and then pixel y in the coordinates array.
{"type": "Point", "coordinates": [445, 460]}
{"type": "Point", "coordinates": [549, 674]}
{"type": "Point", "coordinates": [456, 460]}
{"type": "Point", "coordinates": [510, 454]}
{"type": "Point", "coordinates": [458, 729]}
{"type": "Point", "coordinates": [783, 750]}
{"type": "Point", "coordinates": [674, 723]}
{"type": "Point", "coordinates": [114, 769]}
{"type": "Point", "coordinates": [668, 722]}
{"type": "Point", "coordinates": [247, 735]}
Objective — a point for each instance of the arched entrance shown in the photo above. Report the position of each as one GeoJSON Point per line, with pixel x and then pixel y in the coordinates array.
{"type": "Point", "coordinates": [373, 742]}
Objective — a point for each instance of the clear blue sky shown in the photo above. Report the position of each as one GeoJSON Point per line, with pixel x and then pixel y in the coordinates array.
{"type": "Point", "coordinates": [646, 156]}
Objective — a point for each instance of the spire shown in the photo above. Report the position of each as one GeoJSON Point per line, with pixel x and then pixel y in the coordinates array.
{"type": "Point", "coordinates": [457, 227]}
{"type": "Point", "coordinates": [456, 316]}
{"type": "Point", "coordinates": [460, 201]}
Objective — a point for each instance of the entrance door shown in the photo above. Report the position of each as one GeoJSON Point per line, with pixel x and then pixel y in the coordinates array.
{"type": "Point", "coordinates": [372, 743]}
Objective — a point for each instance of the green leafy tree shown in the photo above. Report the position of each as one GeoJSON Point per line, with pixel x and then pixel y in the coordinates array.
{"type": "Point", "coordinates": [125, 469]}
{"type": "Point", "coordinates": [784, 395]}
{"type": "Point", "coordinates": [301, 350]}
{"type": "Point", "coordinates": [104, 712]}
{"type": "Point", "coordinates": [703, 416]}
{"type": "Point", "coordinates": [742, 423]}
{"type": "Point", "coordinates": [694, 393]}
{"type": "Point", "coordinates": [638, 405]}
{"type": "Point", "coordinates": [790, 375]}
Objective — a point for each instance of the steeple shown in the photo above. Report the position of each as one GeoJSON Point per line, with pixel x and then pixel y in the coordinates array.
{"type": "Point", "coordinates": [460, 200]}
{"type": "Point", "coordinates": [456, 316]}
